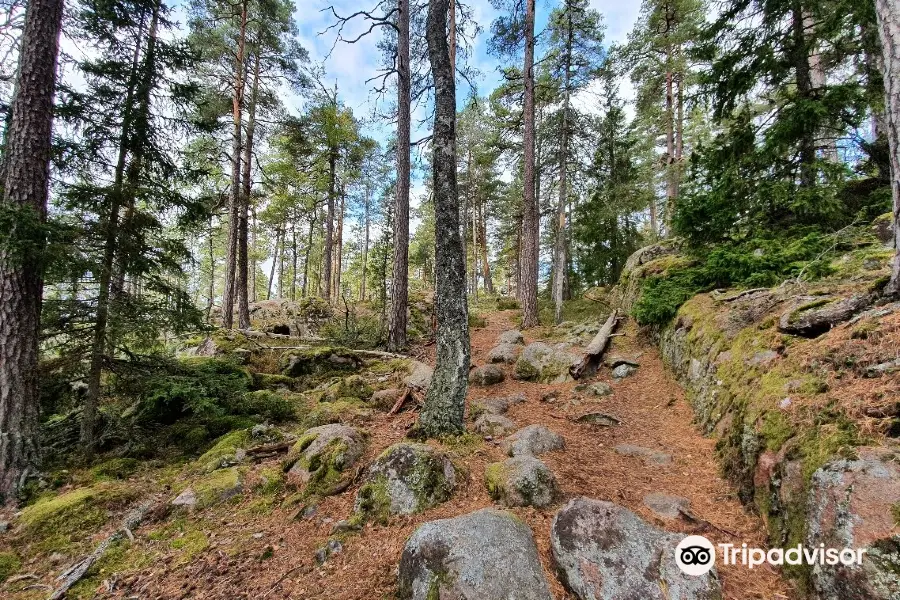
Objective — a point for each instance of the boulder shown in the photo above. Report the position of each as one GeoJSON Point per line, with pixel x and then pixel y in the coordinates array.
{"type": "Point", "coordinates": [648, 455]}
{"type": "Point", "coordinates": [419, 377]}
{"type": "Point", "coordinates": [493, 425]}
{"type": "Point", "coordinates": [487, 375]}
{"type": "Point", "coordinates": [544, 363]}
{"type": "Point", "coordinates": [854, 504]}
{"type": "Point", "coordinates": [385, 399]}
{"type": "Point", "coordinates": [521, 481]}
{"type": "Point", "coordinates": [623, 371]}
{"type": "Point", "coordinates": [500, 404]}
{"type": "Point", "coordinates": [484, 555]}
{"type": "Point", "coordinates": [602, 550]}
{"type": "Point", "coordinates": [504, 353]}
{"type": "Point", "coordinates": [513, 336]}
{"type": "Point", "coordinates": [600, 388]}
{"type": "Point", "coordinates": [532, 441]}
{"type": "Point", "coordinates": [406, 478]}
{"type": "Point", "coordinates": [323, 457]}
{"type": "Point", "coordinates": [318, 360]}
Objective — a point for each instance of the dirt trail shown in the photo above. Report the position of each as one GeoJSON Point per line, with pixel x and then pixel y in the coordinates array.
{"type": "Point", "coordinates": [267, 554]}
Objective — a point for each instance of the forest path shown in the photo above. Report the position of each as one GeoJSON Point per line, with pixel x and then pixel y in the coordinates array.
{"type": "Point", "coordinates": [257, 550]}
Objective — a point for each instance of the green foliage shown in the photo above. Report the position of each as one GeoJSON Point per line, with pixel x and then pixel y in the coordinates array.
{"type": "Point", "coordinates": [9, 564]}
{"type": "Point", "coordinates": [115, 468]}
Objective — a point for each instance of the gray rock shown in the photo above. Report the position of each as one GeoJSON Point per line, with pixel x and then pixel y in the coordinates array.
{"type": "Point", "coordinates": [546, 364]}
{"type": "Point", "coordinates": [487, 375]}
{"type": "Point", "coordinates": [500, 404]}
{"type": "Point", "coordinates": [187, 498]}
{"type": "Point", "coordinates": [665, 506]}
{"type": "Point", "coordinates": [504, 353]}
{"type": "Point", "coordinates": [521, 481]}
{"type": "Point", "coordinates": [623, 371]}
{"type": "Point", "coordinates": [493, 425]}
{"type": "Point", "coordinates": [331, 548]}
{"type": "Point", "coordinates": [324, 456]}
{"type": "Point", "coordinates": [405, 479]}
{"type": "Point", "coordinates": [419, 377]}
{"type": "Point", "coordinates": [385, 399]}
{"type": "Point", "coordinates": [598, 418]}
{"type": "Point", "coordinates": [763, 358]}
{"type": "Point", "coordinates": [649, 456]}
{"type": "Point", "coordinates": [513, 336]}
{"type": "Point", "coordinates": [532, 441]}
{"type": "Point", "coordinates": [4, 526]}
{"type": "Point", "coordinates": [851, 504]}
{"type": "Point", "coordinates": [601, 388]}
{"type": "Point", "coordinates": [603, 551]}
{"type": "Point", "coordinates": [485, 555]}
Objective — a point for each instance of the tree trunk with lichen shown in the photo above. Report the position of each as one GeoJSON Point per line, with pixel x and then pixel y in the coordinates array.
{"type": "Point", "coordinates": [888, 13]}
{"type": "Point", "coordinates": [444, 406]}
{"type": "Point", "coordinates": [531, 218]}
{"type": "Point", "coordinates": [25, 188]}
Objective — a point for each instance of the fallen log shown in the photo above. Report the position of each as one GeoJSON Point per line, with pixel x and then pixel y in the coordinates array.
{"type": "Point", "coordinates": [594, 352]}
{"type": "Point", "coordinates": [73, 574]}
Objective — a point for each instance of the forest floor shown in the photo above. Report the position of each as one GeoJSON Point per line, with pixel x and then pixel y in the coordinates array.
{"type": "Point", "coordinates": [255, 548]}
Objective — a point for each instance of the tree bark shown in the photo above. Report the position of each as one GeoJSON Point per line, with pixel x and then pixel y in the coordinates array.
{"type": "Point", "coordinates": [274, 264]}
{"type": "Point", "coordinates": [442, 413]}
{"type": "Point", "coordinates": [246, 188]}
{"type": "Point", "coordinates": [400, 275]}
{"type": "Point", "coordinates": [485, 264]}
{"type": "Point", "coordinates": [800, 58]}
{"type": "Point", "coordinates": [312, 224]}
{"type": "Point", "coordinates": [237, 105]}
{"type": "Point", "coordinates": [25, 188]}
{"type": "Point", "coordinates": [559, 258]}
{"type": "Point", "coordinates": [531, 217]}
{"type": "Point", "coordinates": [888, 13]}
{"type": "Point", "coordinates": [339, 247]}
{"type": "Point", "coordinates": [365, 249]}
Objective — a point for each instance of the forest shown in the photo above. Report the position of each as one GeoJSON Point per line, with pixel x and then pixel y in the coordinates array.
{"type": "Point", "coordinates": [266, 263]}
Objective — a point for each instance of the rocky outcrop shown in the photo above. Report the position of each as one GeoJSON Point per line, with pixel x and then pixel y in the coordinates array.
{"type": "Point", "coordinates": [521, 481]}
{"type": "Point", "coordinates": [638, 266]}
{"type": "Point", "coordinates": [546, 364]}
{"type": "Point", "coordinates": [405, 479]}
{"type": "Point", "coordinates": [602, 551]}
{"type": "Point", "coordinates": [854, 503]}
{"type": "Point", "coordinates": [485, 555]}
{"type": "Point", "coordinates": [532, 441]}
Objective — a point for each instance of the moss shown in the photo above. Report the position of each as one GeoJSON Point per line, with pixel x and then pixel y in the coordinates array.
{"type": "Point", "coordinates": [269, 405]}
{"type": "Point", "coordinates": [270, 482]}
{"type": "Point", "coordinates": [775, 429]}
{"type": "Point", "coordinates": [9, 564]}
{"type": "Point", "coordinates": [340, 411]}
{"type": "Point", "coordinates": [465, 444]}
{"type": "Point", "coordinates": [386, 367]}
{"type": "Point", "coordinates": [268, 381]}
{"type": "Point", "coordinates": [121, 557]}
{"type": "Point", "coordinates": [115, 468]}
{"type": "Point", "coordinates": [191, 543]}
{"type": "Point", "coordinates": [326, 468]}
{"type": "Point", "coordinates": [526, 371]}
{"type": "Point", "coordinates": [56, 522]}
{"type": "Point", "coordinates": [318, 360]}
{"type": "Point", "coordinates": [895, 513]}
{"type": "Point", "coordinates": [223, 451]}
{"type": "Point", "coordinates": [495, 479]}
{"type": "Point", "coordinates": [374, 501]}
{"type": "Point", "coordinates": [217, 486]}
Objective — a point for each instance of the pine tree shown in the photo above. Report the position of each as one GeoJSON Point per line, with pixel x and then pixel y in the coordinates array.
{"type": "Point", "coordinates": [888, 14]}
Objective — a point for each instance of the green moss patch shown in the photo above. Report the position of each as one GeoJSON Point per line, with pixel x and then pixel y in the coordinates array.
{"type": "Point", "coordinates": [223, 451]}
{"type": "Point", "coordinates": [9, 565]}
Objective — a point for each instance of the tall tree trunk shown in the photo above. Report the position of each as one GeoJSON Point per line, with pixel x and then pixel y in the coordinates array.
{"type": "Point", "coordinates": [237, 105]}
{"type": "Point", "coordinates": [531, 218]}
{"type": "Point", "coordinates": [281, 263]}
{"type": "Point", "coordinates": [212, 273]}
{"type": "Point", "coordinates": [559, 258]}
{"type": "Point", "coordinates": [293, 262]}
{"type": "Point", "coordinates": [329, 221]}
{"type": "Point", "coordinates": [474, 221]}
{"type": "Point", "coordinates": [128, 140]}
{"type": "Point", "coordinates": [671, 192]}
{"type": "Point", "coordinates": [339, 248]}
{"type": "Point", "coordinates": [679, 132]}
{"type": "Point", "coordinates": [400, 275]}
{"type": "Point", "coordinates": [365, 249]}
{"type": "Point", "coordinates": [467, 201]}
{"type": "Point", "coordinates": [246, 188]}
{"type": "Point", "coordinates": [25, 182]}
{"type": "Point", "coordinates": [274, 264]}
{"type": "Point", "coordinates": [888, 12]}
{"type": "Point", "coordinates": [800, 58]}
{"type": "Point", "coordinates": [312, 224]}
{"type": "Point", "coordinates": [444, 406]}
{"type": "Point", "coordinates": [253, 229]}
{"type": "Point", "coordinates": [485, 265]}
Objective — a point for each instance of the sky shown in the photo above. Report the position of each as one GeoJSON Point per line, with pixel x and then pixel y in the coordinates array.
{"type": "Point", "coordinates": [349, 65]}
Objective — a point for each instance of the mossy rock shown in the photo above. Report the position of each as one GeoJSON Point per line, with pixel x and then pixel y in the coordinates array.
{"type": "Point", "coordinates": [521, 481]}
{"type": "Point", "coordinates": [270, 381]}
{"type": "Point", "coordinates": [56, 522]}
{"type": "Point", "coordinates": [318, 361]}
{"type": "Point", "coordinates": [405, 479]}
{"type": "Point", "coordinates": [344, 410]}
{"type": "Point", "coordinates": [543, 363]}
{"type": "Point", "coordinates": [216, 487]}
{"type": "Point", "coordinates": [322, 459]}
{"type": "Point", "coordinates": [225, 452]}
{"type": "Point", "coordinates": [354, 387]}
{"type": "Point", "coordinates": [115, 468]}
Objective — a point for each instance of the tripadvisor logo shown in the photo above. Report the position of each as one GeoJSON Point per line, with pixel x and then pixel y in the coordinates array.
{"type": "Point", "coordinates": [695, 555]}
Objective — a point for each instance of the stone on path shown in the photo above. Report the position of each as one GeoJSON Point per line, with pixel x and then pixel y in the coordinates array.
{"type": "Point", "coordinates": [543, 363]}
{"type": "Point", "coordinates": [487, 375]}
{"type": "Point", "coordinates": [493, 425]}
{"type": "Point", "coordinates": [521, 481]}
{"type": "Point", "coordinates": [513, 336]}
{"type": "Point", "coordinates": [623, 371]}
{"type": "Point", "coordinates": [484, 555]}
{"type": "Point", "coordinates": [598, 418]}
{"type": "Point", "coordinates": [504, 353]}
{"type": "Point", "coordinates": [532, 440]}
{"type": "Point", "coordinates": [604, 551]}
{"type": "Point", "coordinates": [665, 506]}
{"type": "Point", "coordinates": [649, 456]}
{"type": "Point", "coordinates": [500, 404]}
{"type": "Point", "coordinates": [405, 479]}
